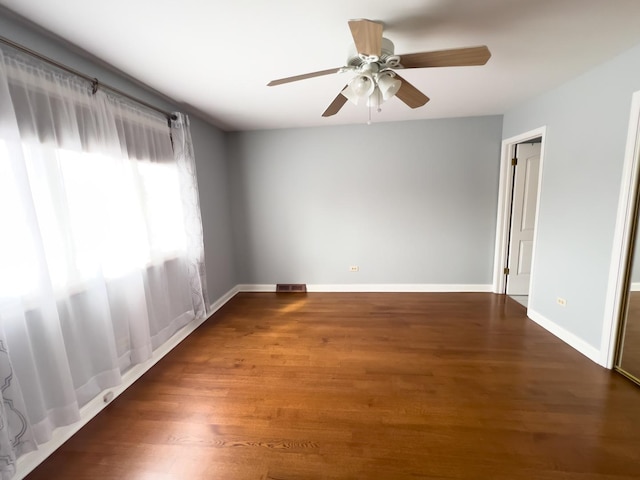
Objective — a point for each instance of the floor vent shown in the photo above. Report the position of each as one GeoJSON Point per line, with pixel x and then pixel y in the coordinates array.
{"type": "Point", "coordinates": [291, 287]}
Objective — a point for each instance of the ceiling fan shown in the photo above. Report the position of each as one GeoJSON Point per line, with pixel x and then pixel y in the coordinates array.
{"type": "Point", "coordinates": [374, 64]}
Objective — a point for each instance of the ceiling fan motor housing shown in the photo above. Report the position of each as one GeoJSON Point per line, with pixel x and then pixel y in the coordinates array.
{"type": "Point", "coordinates": [356, 60]}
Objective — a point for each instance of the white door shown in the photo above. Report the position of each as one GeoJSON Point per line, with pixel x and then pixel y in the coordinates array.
{"type": "Point", "coordinates": [523, 215]}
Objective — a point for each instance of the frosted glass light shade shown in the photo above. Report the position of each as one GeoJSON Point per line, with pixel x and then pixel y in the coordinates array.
{"type": "Point", "coordinates": [350, 94]}
{"type": "Point", "coordinates": [362, 85]}
{"type": "Point", "coordinates": [388, 85]}
{"type": "Point", "coordinates": [359, 89]}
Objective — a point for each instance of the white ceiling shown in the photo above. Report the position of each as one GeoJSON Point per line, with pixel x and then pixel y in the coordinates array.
{"type": "Point", "coordinates": [217, 56]}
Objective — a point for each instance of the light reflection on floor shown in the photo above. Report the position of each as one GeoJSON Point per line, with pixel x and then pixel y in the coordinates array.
{"type": "Point", "coordinates": [292, 307]}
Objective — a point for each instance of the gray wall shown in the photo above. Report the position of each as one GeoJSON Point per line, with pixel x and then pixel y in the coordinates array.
{"type": "Point", "coordinates": [587, 122]}
{"type": "Point", "coordinates": [213, 180]}
{"type": "Point", "coordinates": [208, 145]}
{"type": "Point", "coordinates": [409, 203]}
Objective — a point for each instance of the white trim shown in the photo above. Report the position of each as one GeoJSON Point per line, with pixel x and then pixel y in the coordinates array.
{"type": "Point", "coordinates": [622, 237]}
{"type": "Point", "coordinates": [249, 287]}
{"type": "Point", "coordinates": [218, 304]}
{"type": "Point", "coordinates": [569, 338]}
{"type": "Point", "coordinates": [30, 461]}
{"type": "Point", "coordinates": [635, 287]}
{"type": "Point", "coordinates": [504, 205]}
{"type": "Point", "coordinates": [371, 287]}
{"type": "Point", "coordinates": [399, 288]}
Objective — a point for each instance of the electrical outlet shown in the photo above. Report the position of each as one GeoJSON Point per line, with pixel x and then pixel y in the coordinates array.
{"type": "Point", "coordinates": [354, 268]}
{"type": "Point", "coordinates": [561, 301]}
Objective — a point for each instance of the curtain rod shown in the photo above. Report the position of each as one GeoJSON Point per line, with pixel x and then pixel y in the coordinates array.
{"type": "Point", "coordinates": [93, 80]}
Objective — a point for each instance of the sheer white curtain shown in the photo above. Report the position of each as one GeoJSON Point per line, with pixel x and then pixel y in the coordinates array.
{"type": "Point", "coordinates": [101, 253]}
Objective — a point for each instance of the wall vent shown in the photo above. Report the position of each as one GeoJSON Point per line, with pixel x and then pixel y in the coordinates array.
{"type": "Point", "coordinates": [291, 287]}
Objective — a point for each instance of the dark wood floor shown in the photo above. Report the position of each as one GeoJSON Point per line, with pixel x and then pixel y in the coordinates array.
{"type": "Point", "coordinates": [365, 386]}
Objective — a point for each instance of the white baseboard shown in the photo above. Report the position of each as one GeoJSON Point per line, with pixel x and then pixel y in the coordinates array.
{"type": "Point", "coordinates": [635, 287]}
{"type": "Point", "coordinates": [218, 304]}
{"type": "Point", "coordinates": [30, 461]}
{"type": "Point", "coordinates": [370, 287]}
{"type": "Point", "coordinates": [249, 287]}
{"type": "Point", "coordinates": [569, 338]}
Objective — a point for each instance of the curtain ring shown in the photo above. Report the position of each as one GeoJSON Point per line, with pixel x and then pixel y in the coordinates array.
{"type": "Point", "coordinates": [94, 86]}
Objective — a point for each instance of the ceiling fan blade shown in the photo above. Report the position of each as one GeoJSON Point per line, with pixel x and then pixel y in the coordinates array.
{"type": "Point", "coordinates": [336, 105]}
{"type": "Point", "coordinates": [410, 95]}
{"type": "Point", "coordinates": [280, 81]}
{"type": "Point", "coordinates": [457, 57]}
{"type": "Point", "coordinates": [367, 36]}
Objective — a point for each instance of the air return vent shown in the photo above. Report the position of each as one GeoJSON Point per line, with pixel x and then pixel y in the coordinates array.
{"type": "Point", "coordinates": [291, 287]}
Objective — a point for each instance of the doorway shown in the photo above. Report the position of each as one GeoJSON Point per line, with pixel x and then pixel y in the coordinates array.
{"type": "Point", "coordinates": [518, 199]}
{"type": "Point", "coordinates": [524, 202]}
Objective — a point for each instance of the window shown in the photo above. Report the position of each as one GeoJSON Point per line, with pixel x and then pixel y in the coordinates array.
{"type": "Point", "coordinates": [97, 215]}
{"type": "Point", "coordinates": [101, 252]}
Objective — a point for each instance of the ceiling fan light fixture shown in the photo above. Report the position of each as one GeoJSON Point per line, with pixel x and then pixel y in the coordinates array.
{"type": "Point", "coordinates": [388, 85]}
{"type": "Point", "coordinates": [360, 88]}
{"type": "Point", "coordinates": [350, 94]}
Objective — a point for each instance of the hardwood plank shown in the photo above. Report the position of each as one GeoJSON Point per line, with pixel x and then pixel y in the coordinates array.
{"type": "Point", "coordinates": [364, 386]}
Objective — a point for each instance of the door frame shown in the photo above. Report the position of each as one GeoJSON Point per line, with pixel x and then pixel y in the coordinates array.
{"type": "Point", "coordinates": [621, 250]}
{"type": "Point", "coordinates": [508, 152]}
